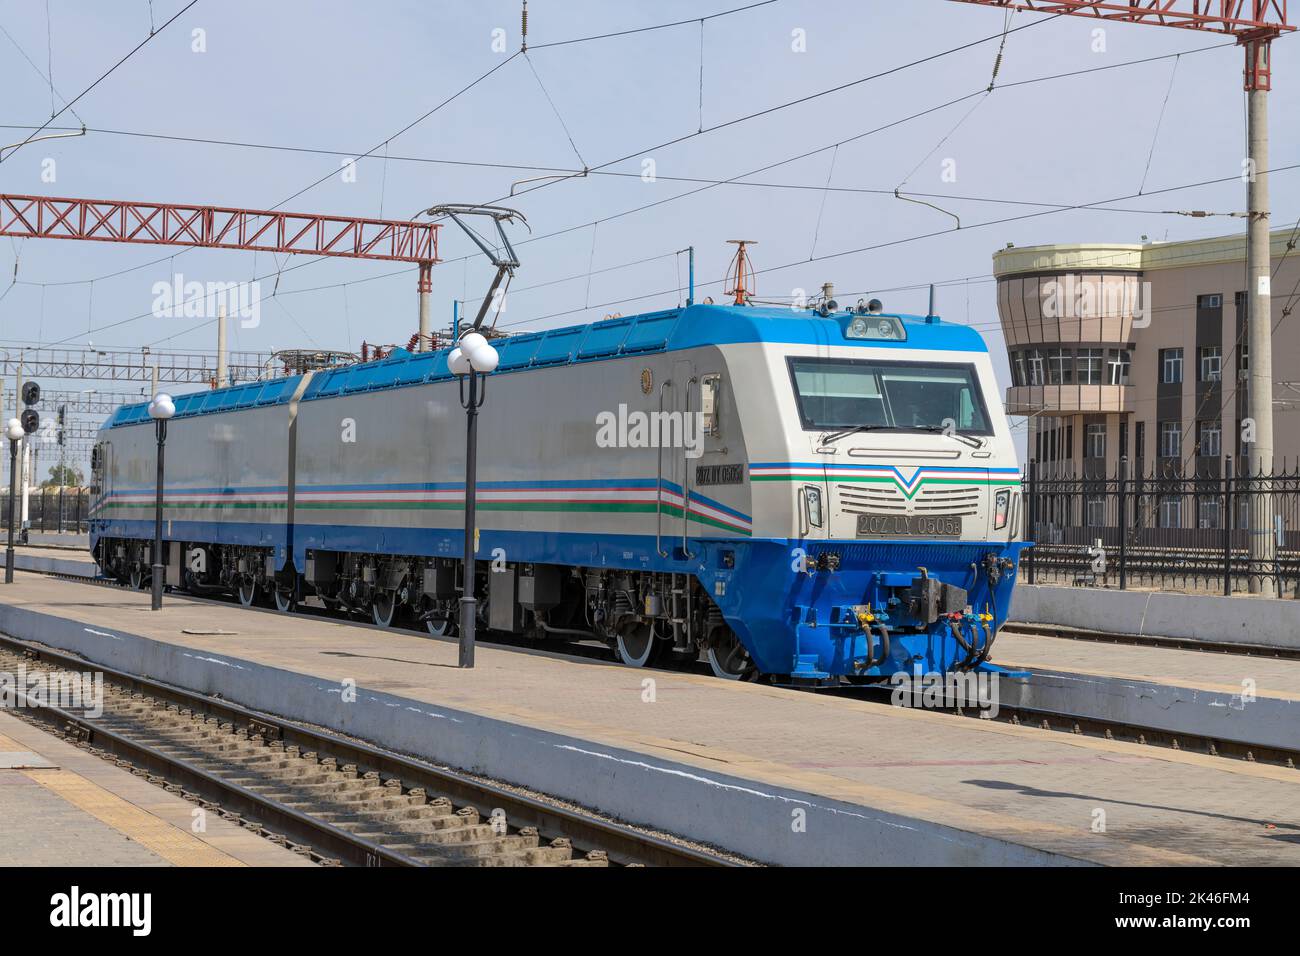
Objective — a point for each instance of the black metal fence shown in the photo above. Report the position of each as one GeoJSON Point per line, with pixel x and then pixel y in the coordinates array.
{"type": "Point", "coordinates": [1233, 531]}
{"type": "Point", "coordinates": [49, 510]}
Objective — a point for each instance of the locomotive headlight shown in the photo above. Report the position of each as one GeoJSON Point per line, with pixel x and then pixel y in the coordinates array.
{"type": "Point", "coordinates": [885, 327]}
{"type": "Point", "coordinates": [812, 500]}
{"type": "Point", "coordinates": [1001, 507]}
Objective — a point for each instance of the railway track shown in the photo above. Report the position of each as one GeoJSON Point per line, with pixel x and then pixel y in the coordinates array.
{"type": "Point", "coordinates": [337, 800]}
{"type": "Point", "coordinates": [1043, 719]}
{"type": "Point", "coordinates": [1058, 722]}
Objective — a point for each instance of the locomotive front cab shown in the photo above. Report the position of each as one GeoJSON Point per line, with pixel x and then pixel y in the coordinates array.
{"type": "Point", "coordinates": [901, 493]}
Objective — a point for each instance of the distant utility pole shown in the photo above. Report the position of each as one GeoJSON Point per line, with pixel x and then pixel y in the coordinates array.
{"type": "Point", "coordinates": [1255, 24]}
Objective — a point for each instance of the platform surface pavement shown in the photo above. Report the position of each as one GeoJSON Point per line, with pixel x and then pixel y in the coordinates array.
{"type": "Point", "coordinates": [62, 806]}
{"type": "Point", "coordinates": [1272, 676]}
{"type": "Point", "coordinates": [1020, 784]}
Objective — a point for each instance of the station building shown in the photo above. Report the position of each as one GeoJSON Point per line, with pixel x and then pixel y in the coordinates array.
{"type": "Point", "coordinates": [1140, 350]}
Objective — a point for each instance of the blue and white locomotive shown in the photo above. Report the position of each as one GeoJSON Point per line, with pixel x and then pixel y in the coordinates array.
{"type": "Point", "coordinates": [813, 495]}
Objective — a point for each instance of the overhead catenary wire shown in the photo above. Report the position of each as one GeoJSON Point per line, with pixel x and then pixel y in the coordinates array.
{"type": "Point", "coordinates": [601, 172]}
{"type": "Point", "coordinates": [39, 72]}
{"type": "Point", "coordinates": [874, 247]}
{"type": "Point", "coordinates": [555, 109]}
{"type": "Point", "coordinates": [657, 26]}
{"type": "Point", "coordinates": [103, 76]}
{"type": "Point", "coordinates": [798, 101]}
{"type": "Point", "coordinates": [1155, 135]}
{"type": "Point", "coordinates": [1060, 207]}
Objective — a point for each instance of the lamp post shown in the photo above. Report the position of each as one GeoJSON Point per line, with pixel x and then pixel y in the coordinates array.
{"type": "Point", "coordinates": [161, 409]}
{"type": "Point", "coordinates": [470, 361]}
{"type": "Point", "coordinates": [14, 432]}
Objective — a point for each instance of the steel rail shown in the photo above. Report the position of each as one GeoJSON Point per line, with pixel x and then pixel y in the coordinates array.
{"type": "Point", "coordinates": [623, 844]}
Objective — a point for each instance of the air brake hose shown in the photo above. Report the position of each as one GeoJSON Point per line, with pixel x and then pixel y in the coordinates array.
{"type": "Point", "coordinates": [988, 644]}
{"type": "Point", "coordinates": [871, 646]}
{"type": "Point", "coordinates": [884, 642]}
{"type": "Point", "coordinates": [955, 627]}
{"type": "Point", "coordinates": [990, 630]}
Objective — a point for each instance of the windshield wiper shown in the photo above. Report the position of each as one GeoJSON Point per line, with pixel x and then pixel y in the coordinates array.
{"type": "Point", "coordinates": [934, 429]}
{"type": "Point", "coordinates": [966, 439]}
{"type": "Point", "coordinates": [844, 433]}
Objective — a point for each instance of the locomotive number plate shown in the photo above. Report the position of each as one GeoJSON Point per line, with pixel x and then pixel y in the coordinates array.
{"type": "Point", "coordinates": [909, 526]}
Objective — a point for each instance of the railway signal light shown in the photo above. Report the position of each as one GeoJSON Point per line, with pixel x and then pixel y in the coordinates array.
{"type": "Point", "coordinates": [30, 419]}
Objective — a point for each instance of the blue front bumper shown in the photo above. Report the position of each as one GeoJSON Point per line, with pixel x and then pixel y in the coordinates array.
{"type": "Point", "coordinates": [795, 604]}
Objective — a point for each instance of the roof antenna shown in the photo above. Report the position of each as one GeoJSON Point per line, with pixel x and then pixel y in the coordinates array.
{"type": "Point", "coordinates": [740, 274]}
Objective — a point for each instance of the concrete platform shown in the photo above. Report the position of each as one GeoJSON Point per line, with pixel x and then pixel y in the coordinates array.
{"type": "Point", "coordinates": [62, 806]}
{"type": "Point", "coordinates": [58, 559]}
{"type": "Point", "coordinates": [1241, 619]}
{"type": "Point", "coordinates": [1248, 699]}
{"type": "Point", "coordinates": [782, 776]}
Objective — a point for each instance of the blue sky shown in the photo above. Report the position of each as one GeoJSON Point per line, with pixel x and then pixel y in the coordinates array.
{"type": "Point", "coordinates": [346, 76]}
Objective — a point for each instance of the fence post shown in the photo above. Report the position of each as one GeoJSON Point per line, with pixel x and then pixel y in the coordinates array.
{"type": "Point", "coordinates": [1227, 526]}
{"type": "Point", "coordinates": [1123, 522]}
{"type": "Point", "coordinates": [1032, 513]}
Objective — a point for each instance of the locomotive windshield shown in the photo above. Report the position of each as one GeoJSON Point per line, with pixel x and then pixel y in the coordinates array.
{"type": "Point", "coordinates": [888, 396]}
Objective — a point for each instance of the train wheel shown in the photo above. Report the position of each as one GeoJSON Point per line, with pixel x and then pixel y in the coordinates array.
{"type": "Point", "coordinates": [285, 602]}
{"type": "Point", "coordinates": [440, 626]}
{"type": "Point", "coordinates": [636, 645]}
{"type": "Point", "coordinates": [384, 608]}
{"type": "Point", "coordinates": [247, 591]}
{"type": "Point", "coordinates": [727, 656]}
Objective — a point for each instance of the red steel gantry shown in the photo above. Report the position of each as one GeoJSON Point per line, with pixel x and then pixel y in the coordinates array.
{"type": "Point", "coordinates": [217, 227]}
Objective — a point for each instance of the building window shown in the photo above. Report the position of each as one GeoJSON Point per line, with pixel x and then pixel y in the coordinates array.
{"type": "Point", "coordinates": [1171, 366]}
{"type": "Point", "coordinates": [1018, 369]}
{"type": "Point", "coordinates": [1211, 363]}
{"type": "Point", "coordinates": [1037, 372]}
{"type": "Point", "coordinates": [1117, 364]}
{"type": "Point", "coordinates": [1094, 441]}
{"type": "Point", "coordinates": [1140, 441]}
{"type": "Point", "coordinates": [1095, 511]}
{"type": "Point", "coordinates": [1209, 301]}
{"type": "Point", "coordinates": [1209, 439]}
{"type": "Point", "coordinates": [1088, 365]}
{"type": "Point", "coordinates": [1171, 439]}
{"type": "Point", "coordinates": [1171, 511]}
{"type": "Point", "coordinates": [1060, 366]}
{"type": "Point", "coordinates": [1123, 439]}
{"type": "Point", "coordinates": [1243, 361]}
{"type": "Point", "coordinates": [1207, 513]}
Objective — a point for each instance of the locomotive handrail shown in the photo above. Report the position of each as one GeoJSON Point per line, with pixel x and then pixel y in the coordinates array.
{"type": "Point", "coordinates": [686, 471]}
{"type": "Point", "coordinates": [659, 478]}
